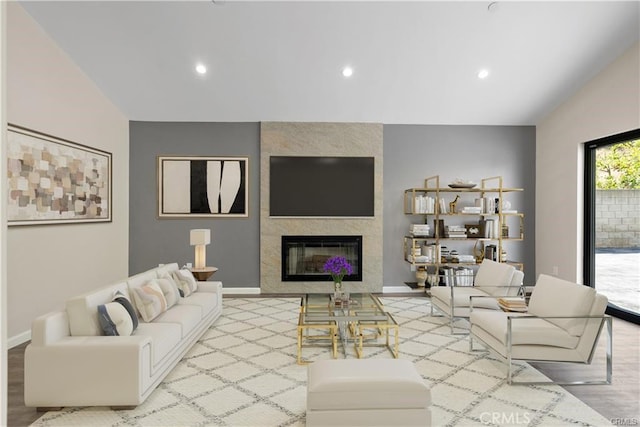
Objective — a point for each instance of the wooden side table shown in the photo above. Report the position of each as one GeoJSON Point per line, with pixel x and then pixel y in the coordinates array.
{"type": "Point", "coordinates": [202, 274]}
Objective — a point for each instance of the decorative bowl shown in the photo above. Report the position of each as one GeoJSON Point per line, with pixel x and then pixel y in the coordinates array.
{"type": "Point", "coordinates": [462, 185]}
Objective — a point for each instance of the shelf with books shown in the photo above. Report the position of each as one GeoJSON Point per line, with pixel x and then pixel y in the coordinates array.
{"type": "Point", "coordinates": [497, 223]}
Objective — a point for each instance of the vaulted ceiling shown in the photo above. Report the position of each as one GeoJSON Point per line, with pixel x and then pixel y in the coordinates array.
{"type": "Point", "coordinates": [413, 62]}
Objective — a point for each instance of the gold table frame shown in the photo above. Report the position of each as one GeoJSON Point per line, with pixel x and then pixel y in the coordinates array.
{"type": "Point", "coordinates": [347, 322]}
{"type": "Point", "coordinates": [380, 328]}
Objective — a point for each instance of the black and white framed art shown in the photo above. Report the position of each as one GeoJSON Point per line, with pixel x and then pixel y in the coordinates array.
{"type": "Point", "coordinates": [203, 187]}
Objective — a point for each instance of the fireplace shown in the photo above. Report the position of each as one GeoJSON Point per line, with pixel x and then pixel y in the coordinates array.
{"type": "Point", "coordinates": [303, 257]}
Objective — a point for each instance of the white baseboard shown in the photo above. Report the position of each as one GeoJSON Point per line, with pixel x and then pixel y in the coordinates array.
{"type": "Point", "coordinates": [16, 340]}
{"type": "Point", "coordinates": [243, 291]}
{"type": "Point", "coordinates": [256, 291]}
{"type": "Point", "coordinates": [396, 289]}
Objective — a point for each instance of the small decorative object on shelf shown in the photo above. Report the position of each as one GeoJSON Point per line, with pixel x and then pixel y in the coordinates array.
{"type": "Point", "coordinates": [421, 277]}
{"type": "Point", "coordinates": [503, 255]}
{"type": "Point", "coordinates": [453, 203]}
{"type": "Point", "coordinates": [478, 251]}
{"type": "Point", "coordinates": [461, 183]}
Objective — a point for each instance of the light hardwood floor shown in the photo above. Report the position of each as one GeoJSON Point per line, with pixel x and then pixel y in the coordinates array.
{"type": "Point", "coordinates": [618, 401]}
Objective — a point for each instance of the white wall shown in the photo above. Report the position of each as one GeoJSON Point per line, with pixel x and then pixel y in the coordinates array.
{"type": "Point", "coordinates": [3, 220]}
{"type": "Point", "coordinates": [609, 104]}
{"type": "Point", "coordinates": [47, 92]}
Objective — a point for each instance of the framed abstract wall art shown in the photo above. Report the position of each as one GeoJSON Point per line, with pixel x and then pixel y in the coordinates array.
{"type": "Point", "coordinates": [55, 181]}
{"type": "Point", "coordinates": [203, 187]}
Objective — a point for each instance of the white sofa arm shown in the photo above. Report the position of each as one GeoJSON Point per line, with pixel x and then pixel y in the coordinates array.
{"type": "Point", "coordinates": [213, 287]}
{"type": "Point", "coordinates": [50, 328]}
{"type": "Point", "coordinates": [86, 371]}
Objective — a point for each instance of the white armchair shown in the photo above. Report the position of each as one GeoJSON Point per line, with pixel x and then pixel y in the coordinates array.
{"type": "Point", "coordinates": [492, 279]}
{"type": "Point", "coordinates": [563, 323]}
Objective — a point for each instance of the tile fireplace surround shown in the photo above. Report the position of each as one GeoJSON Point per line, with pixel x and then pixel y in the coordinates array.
{"type": "Point", "coordinates": [319, 139]}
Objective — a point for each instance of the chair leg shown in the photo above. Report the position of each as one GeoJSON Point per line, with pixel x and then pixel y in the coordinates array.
{"type": "Point", "coordinates": [471, 349]}
{"type": "Point", "coordinates": [609, 324]}
{"type": "Point", "coordinates": [508, 360]}
{"type": "Point", "coordinates": [608, 367]}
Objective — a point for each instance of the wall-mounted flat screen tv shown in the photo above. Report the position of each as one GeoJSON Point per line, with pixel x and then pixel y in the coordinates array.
{"type": "Point", "coordinates": [321, 186]}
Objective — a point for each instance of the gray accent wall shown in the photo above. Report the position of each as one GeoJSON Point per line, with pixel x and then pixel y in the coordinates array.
{"type": "Point", "coordinates": [415, 152]}
{"type": "Point", "coordinates": [234, 247]}
{"type": "Point", "coordinates": [410, 154]}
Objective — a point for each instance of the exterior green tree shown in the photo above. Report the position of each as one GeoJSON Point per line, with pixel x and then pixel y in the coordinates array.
{"type": "Point", "coordinates": [618, 166]}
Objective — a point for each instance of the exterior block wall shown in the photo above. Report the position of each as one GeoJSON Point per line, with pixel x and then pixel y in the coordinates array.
{"type": "Point", "coordinates": [617, 218]}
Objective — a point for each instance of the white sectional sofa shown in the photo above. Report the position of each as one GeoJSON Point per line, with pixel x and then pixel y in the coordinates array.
{"type": "Point", "coordinates": [70, 362]}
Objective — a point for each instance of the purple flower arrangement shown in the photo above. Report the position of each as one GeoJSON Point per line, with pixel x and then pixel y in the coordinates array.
{"type": "Point", "coordinates": [337, 266]}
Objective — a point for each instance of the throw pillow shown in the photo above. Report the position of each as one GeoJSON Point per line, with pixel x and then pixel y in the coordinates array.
{"type": "Point", "coordinates": [187, 284]}
{"type": "Point", "coordinates": [183, 286]}
{"type": "Point", "coordinates": [170, 290]}
{"type": "Point", "coordinates": [121, 298]}
{"type": "Point", "coordinates": [114, 319]}
{"type": "Point", "coordinates": [150, 301]}
{"type": "Point", "coordinates": [191, 281]}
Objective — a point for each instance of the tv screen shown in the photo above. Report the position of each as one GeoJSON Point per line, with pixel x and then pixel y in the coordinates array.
{"type": "Point", "coordinates": [321, 186]}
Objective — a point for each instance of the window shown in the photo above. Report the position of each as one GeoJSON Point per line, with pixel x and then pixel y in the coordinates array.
{"type": "Point", "coordinates": [612, 222]}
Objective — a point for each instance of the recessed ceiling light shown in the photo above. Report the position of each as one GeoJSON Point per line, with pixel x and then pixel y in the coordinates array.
{"type": "Point", "coordinates": [201, 69]}
{"type": "Point", "coordinates": [347, 71]}
{"type": "Point", "coordinates": [483, 74]}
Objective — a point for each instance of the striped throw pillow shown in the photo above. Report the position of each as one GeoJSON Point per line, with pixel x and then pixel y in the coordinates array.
{"type": "Point", "coordinates": [150, 301]}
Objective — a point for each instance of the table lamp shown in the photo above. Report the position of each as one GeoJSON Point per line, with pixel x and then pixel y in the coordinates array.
{"type": "Point", "coordinates": [200, 238]}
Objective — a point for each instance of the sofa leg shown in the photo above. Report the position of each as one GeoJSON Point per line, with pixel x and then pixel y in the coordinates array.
{"type": "Point", "coordinates": [123, 408]}
{"type": "Point", "coordinates": [49, 408]}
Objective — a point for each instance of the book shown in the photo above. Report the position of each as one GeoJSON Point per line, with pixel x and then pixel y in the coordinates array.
{"type": "Point", "coordinates": [512, 304]}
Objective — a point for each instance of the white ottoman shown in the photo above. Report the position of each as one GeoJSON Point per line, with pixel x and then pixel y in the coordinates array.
{"type": "Point", "coordinates": [366, 392]}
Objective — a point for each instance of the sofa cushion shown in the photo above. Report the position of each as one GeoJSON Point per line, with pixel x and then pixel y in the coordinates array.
{"type": "Point", "coordinates": [150, 300]}
{"type": "Point", "coordinates": [142, 278]}
{"type": "Point", "coordinates": [187, 316]}
{"type": "Point", "coordinates": [114, 319]}
{"type": "Point", "coordinates": [166, 269]}
{"type": "Point", "coordinates": [494, 276]}
{"type": "Point", "coordinates": [556, 297]}
{"type": "Point", "coordinates": [530, 331]}
{"type": "Point", "coordinates": [207, 301]}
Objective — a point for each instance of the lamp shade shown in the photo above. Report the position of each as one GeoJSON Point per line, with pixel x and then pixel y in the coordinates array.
{"type": "Point", "coordinates": [201, 236]}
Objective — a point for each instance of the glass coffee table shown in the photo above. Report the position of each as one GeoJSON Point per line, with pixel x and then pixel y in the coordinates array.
{"type": "Point", "coordinates": [361, 319]}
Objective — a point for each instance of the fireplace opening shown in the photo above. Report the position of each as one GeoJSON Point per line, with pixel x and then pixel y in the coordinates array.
{"type": "Point", "coordinates": [303, 257]}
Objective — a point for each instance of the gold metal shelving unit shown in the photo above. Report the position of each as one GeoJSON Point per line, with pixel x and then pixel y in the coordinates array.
{"type": "Point", "coordinates": [492, 186]}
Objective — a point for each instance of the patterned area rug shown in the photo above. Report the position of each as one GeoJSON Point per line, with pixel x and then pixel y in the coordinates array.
{"type": "Point", "coordinates": [243, 372]}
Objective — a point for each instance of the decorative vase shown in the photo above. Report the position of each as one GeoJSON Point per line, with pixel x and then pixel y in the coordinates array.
{"type": "Point", "coordinates": [421, 276]}
{"type": "Point", "coordinates": [337, 287]}
{"type": "Point", "coordinates": [503, 255]}
{"type": "Point", "coordinates": [337, 293]}
{"type": "Point", "coordinates": [478, 251]}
